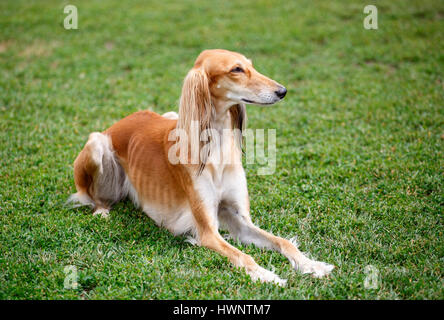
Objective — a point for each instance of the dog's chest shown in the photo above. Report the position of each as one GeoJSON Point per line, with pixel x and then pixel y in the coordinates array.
{"type": "Point", "coordinates": [220, 182]}
{"type": "Point", "coordinates": [223, 166]}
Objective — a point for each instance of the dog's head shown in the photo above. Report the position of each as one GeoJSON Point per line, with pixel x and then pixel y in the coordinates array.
{"type": "Point", "coordinates": [223, 80]}
{"type": "Point", "coordinates": [232, 78]}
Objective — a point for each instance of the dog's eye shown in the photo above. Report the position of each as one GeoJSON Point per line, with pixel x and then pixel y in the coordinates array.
{"type": "Point", "coordinates": [237, 70]}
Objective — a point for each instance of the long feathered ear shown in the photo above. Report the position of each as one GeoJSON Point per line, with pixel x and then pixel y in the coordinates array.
{"type": "Point", "coordinates": [195, 101]}
{"type": "Point", "coordinates": [238, 114]}
{"type": "Point", "coordinates": [195, 110]}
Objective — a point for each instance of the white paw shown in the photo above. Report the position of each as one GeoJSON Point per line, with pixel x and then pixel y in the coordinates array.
{"type": "Point", "coordinates": [264, 275]}
{"type": "Point", "coordinates": [318, 269]}
{"type": "Point", "coordinates": [102, 212]}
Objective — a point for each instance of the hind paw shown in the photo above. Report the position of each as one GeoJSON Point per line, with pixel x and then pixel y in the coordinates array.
{"type": "Point", "coordinates": [104, 213]}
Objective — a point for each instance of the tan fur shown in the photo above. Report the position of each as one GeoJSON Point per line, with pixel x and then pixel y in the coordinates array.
{"type": "Point", "coordinates": [214, 94]}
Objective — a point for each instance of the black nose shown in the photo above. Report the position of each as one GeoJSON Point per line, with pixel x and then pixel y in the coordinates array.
{"type": "Point", "coordinates": [281, 92]}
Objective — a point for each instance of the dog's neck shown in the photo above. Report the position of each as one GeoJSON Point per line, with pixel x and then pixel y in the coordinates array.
{"type": "Point", "coordinates": [222, 118]}
{"type": "Point", "coordinates": [228, 147]}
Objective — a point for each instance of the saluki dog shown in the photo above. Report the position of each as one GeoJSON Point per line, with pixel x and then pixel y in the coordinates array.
{"type": "Point", "coordinates": [134, 158]}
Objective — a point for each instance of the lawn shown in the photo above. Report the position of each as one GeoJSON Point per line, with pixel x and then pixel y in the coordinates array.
{"type": "Point", "coordinates": [360, 136]}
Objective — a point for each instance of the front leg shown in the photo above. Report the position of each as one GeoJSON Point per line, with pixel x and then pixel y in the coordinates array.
{"type": "Point", "coordinates": [234, 215]}
{"type": "Point", "coordinates": [213, 240]}
{"type": "Point", "coordinates": [204, 209]}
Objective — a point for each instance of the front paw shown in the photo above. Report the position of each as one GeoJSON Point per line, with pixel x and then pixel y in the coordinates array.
{"type": "Point", "coordinates": [264, 275]}
{"type": "Point", "coordinates": [317, 269]}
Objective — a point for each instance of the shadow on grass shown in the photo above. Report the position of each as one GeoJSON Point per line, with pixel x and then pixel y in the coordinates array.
{"type": "Point", "coordinates": [128, 224]}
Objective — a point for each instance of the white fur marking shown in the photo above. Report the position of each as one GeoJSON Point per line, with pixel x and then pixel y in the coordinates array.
{"type": "Point", "coordinates": [191, 241]}
{"type": "Point", "coordinates": [171, 115]}
{"type": "Point", "coordinates": [102, 212]}
{"type": "Point", "coordinates": [264, 275]}
{"type": "Point", "coordinates": [79, 199]}
{"type": "Point", "coordinates": [178, 221]}
{"type": "Point", "coordinates": [318, 269]}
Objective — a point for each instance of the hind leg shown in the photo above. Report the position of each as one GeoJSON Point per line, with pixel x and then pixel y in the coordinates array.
{"type": "Point", "coordinates": [98, 176]}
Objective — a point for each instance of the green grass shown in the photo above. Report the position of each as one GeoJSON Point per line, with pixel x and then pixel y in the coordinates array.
{"type": "Point", "coordinates": [360, 138]}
